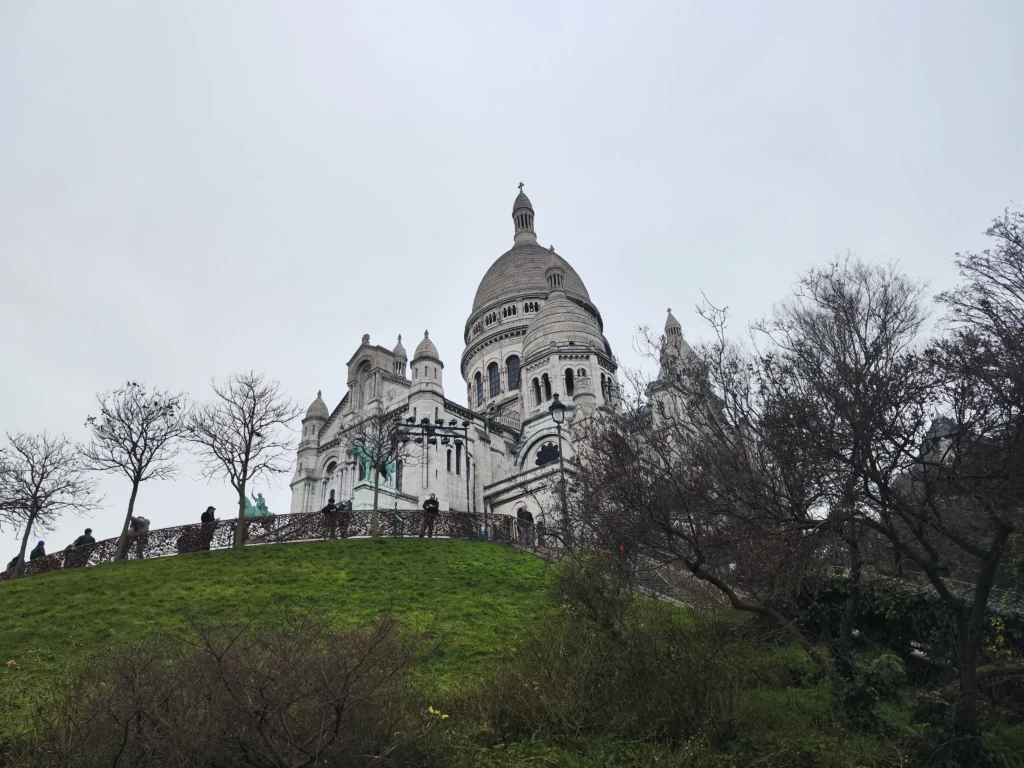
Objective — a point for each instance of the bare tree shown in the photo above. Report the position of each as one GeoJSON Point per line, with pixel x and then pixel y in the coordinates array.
{"type": "Point", "coordinates": [243, 434]}
{"type": "Point", "coordinates": [738, 463]}
{"type": "Point", "coordinates": [137, 434]}
{"type": "Point", "coordinates": [952, 513]}
{"type": "Point", "coordinates": [691, 480]}
{"type": "Point", "coordinates": [377, 441]}
{"type": "Point", "coordinates": [41, 478]}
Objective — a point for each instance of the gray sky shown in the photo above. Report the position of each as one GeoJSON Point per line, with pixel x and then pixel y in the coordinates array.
{"type": "Point", "coordinates": [189, 189]}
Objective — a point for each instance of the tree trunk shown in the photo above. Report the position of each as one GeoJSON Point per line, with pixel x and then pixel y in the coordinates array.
{"type": "Point", "coordinates": [844, 647]}
{"type": "Point", "coordinates": [20, 567]}
{"type": "Point", "coordinates": [122, 541]}
{"type": "Point", "coordinates": [239, 540]}
{"type": "Point", "coordinates": [970, 631]}
{"type": "Point", "coordinates": [374, 523]}
{"type": "Point", "coordinates": [966, 719]}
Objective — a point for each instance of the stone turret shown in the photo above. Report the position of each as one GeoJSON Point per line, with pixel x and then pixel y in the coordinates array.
{"type": "Point", "coordinates": [302, 484]}
{"type": "Point", "coordinates": [401, 358]}
{"type": "Point", "coordinates": [674, 348]}
{"type": "Point", "coordinates": [584, 398]}
{"type": "Point", "coordinates": [427, 368]}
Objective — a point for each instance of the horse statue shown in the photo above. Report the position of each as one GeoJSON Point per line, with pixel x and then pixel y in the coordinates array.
{"type": "Point", "coordinates": [257, 507]}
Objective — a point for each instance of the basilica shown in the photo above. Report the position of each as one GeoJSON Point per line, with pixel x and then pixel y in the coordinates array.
{"type": "Point", "coordinates": [533, 338]}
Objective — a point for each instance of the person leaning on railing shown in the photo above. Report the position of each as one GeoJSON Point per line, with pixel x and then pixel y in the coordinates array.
{"type": "Point", "coordinates": [345, 517]}
{"type": "Point", "coordinates": [139, 534]}
{"type": "Point", "coordinates": [77, 555]}
{"type": "Point", "coordinates": [208, 521]}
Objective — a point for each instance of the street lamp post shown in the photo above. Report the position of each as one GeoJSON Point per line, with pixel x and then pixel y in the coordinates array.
{"type": "Point", "coordinates": [557, 411]}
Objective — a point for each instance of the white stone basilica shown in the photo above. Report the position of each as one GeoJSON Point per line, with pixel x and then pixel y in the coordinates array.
{"type": "Point", "coordinates": [533, 333]}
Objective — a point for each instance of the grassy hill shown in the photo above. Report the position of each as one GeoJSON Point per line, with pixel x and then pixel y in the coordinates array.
{"type": "Point", "coordinates": [484, 598]}
{"type": "Point", "coordinates": [481, 595]}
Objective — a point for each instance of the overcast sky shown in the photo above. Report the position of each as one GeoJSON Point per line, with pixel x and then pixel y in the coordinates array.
{"type": "Point", "coordinates": [189, 189]}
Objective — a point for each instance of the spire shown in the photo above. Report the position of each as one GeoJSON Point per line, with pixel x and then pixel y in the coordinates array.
{"type": "Point", "coordinates": [522, 216]}
{"type": "Point", "coordinates": [674, 348]}
{"type": "Point", "coordinates": [673, 329]}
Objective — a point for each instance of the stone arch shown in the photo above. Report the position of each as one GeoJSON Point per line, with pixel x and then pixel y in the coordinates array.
{"type": "Point", "coordinates": [531, 454]}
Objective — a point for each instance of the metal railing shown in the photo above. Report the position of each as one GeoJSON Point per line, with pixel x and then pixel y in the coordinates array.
{"type": "Point", "coordinates": [281, 529]}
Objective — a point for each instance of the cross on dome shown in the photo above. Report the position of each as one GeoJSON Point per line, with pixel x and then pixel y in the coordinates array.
{"type": "Point", "coordinates": [520, 186]}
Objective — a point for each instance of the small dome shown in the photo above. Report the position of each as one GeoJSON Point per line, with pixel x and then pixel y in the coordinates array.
{"type": "Point", "coordinates": [671, 322]}
{"type": "Point", "coordinates": [564, 322]}
{"type": "Point", "coordinates": [318, 410]}
{"type": "Point", "coordinates": [399, 350]}
{"type": "Point", "coordinates": [426, 349]}
{"type": "Point", "coordinates": [522, 201]}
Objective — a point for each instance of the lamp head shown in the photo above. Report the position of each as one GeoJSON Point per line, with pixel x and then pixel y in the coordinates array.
{"type": "Point", "coordinates": [557, 410]}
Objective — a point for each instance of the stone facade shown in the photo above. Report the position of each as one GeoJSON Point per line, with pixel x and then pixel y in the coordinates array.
{"type": "Point", "coordinates": [533, 333]}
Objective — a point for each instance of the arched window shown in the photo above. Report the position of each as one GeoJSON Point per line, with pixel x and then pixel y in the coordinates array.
{"type": "Point", "coordinates": [365, 379]}
{"type": "Point", "coordinates": [547, 386]}
{"type": "Point", "coordinates": [494, 379]}
{"type": "Point", "coordinates": [458, 458]}
{"type": "Point", "coordinates": [570, 385]}
{"type": "Point", "coordinates": [536, 392]}
{"type": "Point", "coordinates": [603, 395]}
{"type": "Point", "coordinates": [449, 459]}
{"type": "Point", "coordinates": [362, 470]}
{"type": "Point", "coordinates": [479, 382]}
{"type": "Point", "coordinates": [512, 365]}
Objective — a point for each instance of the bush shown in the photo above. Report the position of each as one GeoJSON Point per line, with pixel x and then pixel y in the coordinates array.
{"type": "Point", "coordinates": [872, 681]}
{"type": "Point", "coordinates": [282, 690]}
{"type": "Point", "coordinates": [607, 664]}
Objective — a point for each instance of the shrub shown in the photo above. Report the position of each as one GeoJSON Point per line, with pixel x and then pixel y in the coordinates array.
{"type": "Point", "coordinates": [282, 690]}
{"type": "Point", "coordinates": [609, 664]}
{"type": "Point", "coordinates": [872, 681]}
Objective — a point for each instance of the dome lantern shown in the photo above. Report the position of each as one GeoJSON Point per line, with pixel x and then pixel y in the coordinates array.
{"type": "Point", "coordinates": [522, 217]}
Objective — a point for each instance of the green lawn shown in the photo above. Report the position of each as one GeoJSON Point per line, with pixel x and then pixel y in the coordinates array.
{"type": "Point", "coordinates": [484, 599]}
{"type": "Point", "coordinates": [481, 595]}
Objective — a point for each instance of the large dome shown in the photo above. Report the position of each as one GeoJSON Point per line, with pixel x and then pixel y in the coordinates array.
{"type": "Point", "coordinates": [520, 272]}
{"type": "Point", "coordinates": [563, 322]}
